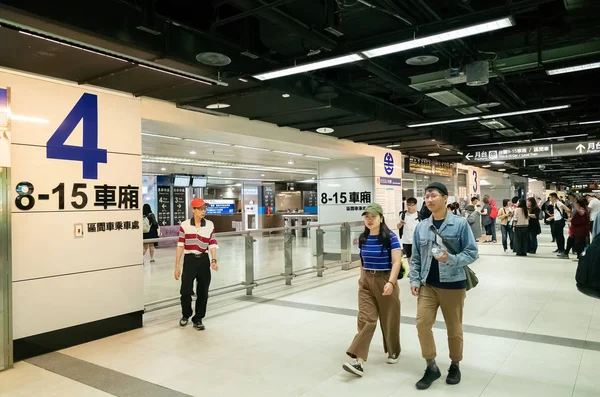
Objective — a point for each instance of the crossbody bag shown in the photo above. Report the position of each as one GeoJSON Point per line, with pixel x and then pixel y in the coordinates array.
{"type": "Point", "coordinates": [472, 279]}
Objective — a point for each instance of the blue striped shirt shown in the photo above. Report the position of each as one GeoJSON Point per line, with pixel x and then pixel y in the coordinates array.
{"type": "Point", "coordinates": [376, 258]}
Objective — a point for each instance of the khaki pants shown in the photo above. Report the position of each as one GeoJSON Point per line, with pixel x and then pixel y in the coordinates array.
{"type": "Point", "coordinates": [371, 305]}
{"type": "Point", "coordinates": [451, 301]}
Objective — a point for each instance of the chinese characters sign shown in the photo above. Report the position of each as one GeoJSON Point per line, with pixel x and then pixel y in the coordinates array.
{"type": "Point", "coordinates": [105, 196]}
{"type": "Point", "coordinates": [164, 205]}
{"type": "Point", "coordinates": [346, 197]}
{"type": "Point", "coordinates": [536, 151]}
{"type": "Point", "coordinates": [179, 205]}
{"type": "Point", "coordinates": [98, 227]}
{"type": "Point", "coordinates": [428, 167]}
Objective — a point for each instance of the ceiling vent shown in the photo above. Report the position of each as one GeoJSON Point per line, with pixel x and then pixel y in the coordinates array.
{"type": "Point", "coordinates": [213, 59]}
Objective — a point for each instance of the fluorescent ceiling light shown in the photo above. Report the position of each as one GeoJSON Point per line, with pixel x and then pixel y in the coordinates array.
{"type": "Point", "coordinates": [497, 162]}
{"type": "Point", "coordinates": [440, 37]}
{"type": "Point", "coordinates": [502, 169]}
{"type": "Point", "coordinates": [207, 142]}
{"type": "Point", "coordinates": [309, 66]}
{"type": "Point", "coordinates": [572, 69]}
{"type": "Point", "coordinates": [558, 137]}
{"type": "Point", "coordinates": [325, 130]}
{"type": "Point", "coordinates": [252, 148]}
{"type": "Point", "coordinates": [193, 152]}
{"type": "Point", "coordinates": [459, 153]}
{"type": "Point", "coordinates": [291, 162]}
{"type": "Point", "coordinates": [434, 154]}
{"type": "Point", "coordinates": [290, 153]}
{"type": "Point", "coordinates": [489, 116]}
{"type": "Point", "coordinates": [181, 75]}
{"type": "Point", "coordinates": [525, 175]}
{"type": "Point", "coordinates": [243, 80]}
{"type": "Point", "coordinates": [285, 95]}
{"type": "Point", "coordinates": [218, 106]}
{"type": "Point", "coordinates": [163, 169]}
{"type": "Point", "coordinates": [162, 136]}
{"type": "Point", "coordinates": [394, 145]}
{"type": "Point", "coordinates": [589, 122]}
{"type": "Point", "coordinates": [316, 157]}
{"type": "Point", "coordinates": [486, 166]}
{"type": "Point", "coordinates": [538, 110]}
{"type": "Point", "coordinates": [444, 122]}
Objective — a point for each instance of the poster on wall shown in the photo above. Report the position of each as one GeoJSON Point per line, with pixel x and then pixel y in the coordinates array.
{"type": "Point", "coordinates": [179, 205]}
{"type": "Point", "coordinates": [164, 205]}
{"type": "Point", "coordinates": [4, 128]}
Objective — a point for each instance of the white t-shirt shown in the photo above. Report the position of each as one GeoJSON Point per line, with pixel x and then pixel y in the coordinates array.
{"type": "Point", "coordinates": [594, 207]}
{"type": "Point", "coordinates": [558, 211]}
{"type": "Point", "coordinates": [410, 224]}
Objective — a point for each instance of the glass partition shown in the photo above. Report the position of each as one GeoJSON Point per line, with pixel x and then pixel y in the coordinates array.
{"type": "Point", "coordinates": [5, 272]}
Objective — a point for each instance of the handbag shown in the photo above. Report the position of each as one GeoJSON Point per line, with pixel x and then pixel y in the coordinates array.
{"type": "Point", "coordinates": [472, 279]}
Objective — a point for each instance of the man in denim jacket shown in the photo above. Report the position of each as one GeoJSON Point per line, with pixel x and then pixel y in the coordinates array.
{"type": "Point", "coordinates": [438, 279]}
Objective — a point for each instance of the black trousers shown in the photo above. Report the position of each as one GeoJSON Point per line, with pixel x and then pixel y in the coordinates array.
{"type": "Point", "coordinates": [559, 234]}
{"type": "Point", "coordinates": [521, 240]}
{"type": "Point", "coordinates": [578, 244]}
{"type": "Point", "coordinates": [195, 268]}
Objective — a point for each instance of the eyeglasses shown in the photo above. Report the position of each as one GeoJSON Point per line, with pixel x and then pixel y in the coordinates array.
{"type": "Point", "coordinates": [432, 196]}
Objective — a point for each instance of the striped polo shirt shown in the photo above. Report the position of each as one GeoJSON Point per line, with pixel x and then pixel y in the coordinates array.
{"type": "Point", "coordinates": [375, 256]}
{"type": "Point", "coordinates": [197, 240]}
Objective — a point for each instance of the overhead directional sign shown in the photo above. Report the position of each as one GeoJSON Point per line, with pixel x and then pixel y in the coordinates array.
{"type": "Point", "coordinates": [536, 151]}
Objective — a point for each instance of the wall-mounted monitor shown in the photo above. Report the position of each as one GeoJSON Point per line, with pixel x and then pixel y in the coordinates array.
{"type": "Point", "coordinates": [198, 181]}
{"type": "Point", "coordinates": [181, 180]}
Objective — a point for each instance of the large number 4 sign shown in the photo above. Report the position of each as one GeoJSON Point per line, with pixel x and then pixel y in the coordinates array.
{"type": "Point", "coordinates": [85, 110]}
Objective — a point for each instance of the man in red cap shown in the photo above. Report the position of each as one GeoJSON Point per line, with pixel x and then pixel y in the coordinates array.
{"type": "Point", "coordinates": [196, 237]}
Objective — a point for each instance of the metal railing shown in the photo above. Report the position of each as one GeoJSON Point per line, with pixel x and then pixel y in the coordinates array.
{"type": "Point", "coordinates": [289, 274]}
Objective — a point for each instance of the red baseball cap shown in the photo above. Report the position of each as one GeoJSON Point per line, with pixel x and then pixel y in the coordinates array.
{"type": "Point", "coordinates": [198, 202]}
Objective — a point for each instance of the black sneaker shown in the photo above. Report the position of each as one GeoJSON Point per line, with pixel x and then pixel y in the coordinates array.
{"type": "Point", "coordinates": [453, 377]}
{"type": "Point", "coordinates": [429, 377]}
{"type": "Point", "coordinates": [354, 367]}
{"type": "Point", "coordinates": [184, 321]}
{"type": "Point", "coordinates": [199, 326]}
{"type": "Point", "coordinates": [555, 251]}
{"type": "Point", "coordinates": [563, 256]}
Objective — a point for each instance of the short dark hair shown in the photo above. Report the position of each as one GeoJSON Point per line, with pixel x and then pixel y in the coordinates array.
{"type": "Point", "coordinates": [505, 202]}
{"type": "Point", "coordinates": [473, 199]}
{"type": "Point", "coordinates": [411, 200]}
{"type": "Point", "coordinates": [554, 195]}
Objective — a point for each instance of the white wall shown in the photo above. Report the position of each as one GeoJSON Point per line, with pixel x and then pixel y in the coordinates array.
{"type": "Point", "coordinates": [60, 280]}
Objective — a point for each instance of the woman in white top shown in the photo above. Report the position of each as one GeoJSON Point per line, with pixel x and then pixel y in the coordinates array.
{"type": "Point", "coordinates": [408, 222]}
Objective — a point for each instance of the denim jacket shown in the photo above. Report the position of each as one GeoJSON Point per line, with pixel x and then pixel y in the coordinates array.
{"type": "Point", "coordinates": [458, 235]}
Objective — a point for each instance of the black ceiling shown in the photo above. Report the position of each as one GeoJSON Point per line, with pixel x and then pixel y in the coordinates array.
{"type": "Point", "coordinates": [371, 101]}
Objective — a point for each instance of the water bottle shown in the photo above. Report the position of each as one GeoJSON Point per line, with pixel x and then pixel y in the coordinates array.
{"type": "Point", "coordinates": [437, 251]}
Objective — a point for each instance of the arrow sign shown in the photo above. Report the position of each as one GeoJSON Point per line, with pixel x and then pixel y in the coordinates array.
{"type": "Point", "coordinates": [540, 150]}
{"type": "Point", "coordinates": [581, 148]}
{"type": "Point", "coordinates": [468, 156]}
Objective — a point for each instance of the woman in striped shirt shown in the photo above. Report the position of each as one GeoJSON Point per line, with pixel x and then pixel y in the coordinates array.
{"type": "Point", "coordinates": [378, 293]}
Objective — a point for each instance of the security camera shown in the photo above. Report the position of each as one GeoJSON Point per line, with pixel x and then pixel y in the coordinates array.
{"type": "Point", "coordinates": [542, 167]}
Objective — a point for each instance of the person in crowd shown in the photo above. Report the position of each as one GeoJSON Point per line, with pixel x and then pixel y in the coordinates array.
{"type": "Point", "coordinates": [444, 246]}
{"type": "Point", "coordinates": [579, 229]}
{"type": "Point", "coordinates": [196, 239]}
{"type": "Point", "coordinates": [594, 208]}
{"type": "Point", "coordinates": [493, 216]}
{"type": "Point", "coordinates": [596, 227]}
{"type": "Point", "coordinates": [534, 228]}
{"type": "Point", "coordinates": [559, 216]}
{"type": "Point", "coordinates": [521, 229]}
{"type": "Point", "coordinates": [408, 223]}
{"type": "Point", "coordinates": [151, 230]}
{"type": "Point", "coordinates": [571, 200]}
{"type": "Point", "coordinates": [456, 208]}
{"type": "Point", "coordinates": [424, 212]}
{"type": "Point", "coordinates": [505, 215]}
{"type": "Point", "coordinates": [474, 220]}
{"type": "Point", "coordinates": [378, 291]}
{"type": "Point", "coordinates": [548, 209]}
{"type": "Point", "coordinates": [486, 219]}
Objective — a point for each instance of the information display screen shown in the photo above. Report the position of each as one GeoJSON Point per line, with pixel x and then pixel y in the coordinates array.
{"type": "Point", "coordinates": [198, 181]}
{"type": "Point", "coordinates": [181, 180]}
{"type": "Point", "coordinates": [220, 207]}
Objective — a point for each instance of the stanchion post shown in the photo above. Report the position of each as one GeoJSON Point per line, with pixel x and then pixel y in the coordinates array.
{"type": "Point", "coordinates": [320, 252]}
{"type": "Point", "coordinates": [288, 252]}
{"type": "Point", "coordinates": [345, 246]}
{"type": "Point", "coordinates": [249, 253]}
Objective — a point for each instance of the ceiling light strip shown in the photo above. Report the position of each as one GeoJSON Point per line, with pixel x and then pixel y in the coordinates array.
{"type": "Point", "coordinates": [162, 136]}
{"type": "Point", "coordinates": [25, 30]}
{"type": "Point", "coordinates": [393, 48]}
{"type": "Point", "coordinates": [573, 69]}
{"type": "Point", "coordinates": [490, 116]}
{"type": "Point", "coordinates": [290, 153]}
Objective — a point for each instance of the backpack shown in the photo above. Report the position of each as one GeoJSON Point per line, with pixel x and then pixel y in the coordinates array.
{"type": "Point", "coordinates": [494, 212]}
{"type": "Point", "coordinates": [146, 228]}
{"type": "Point", "coordinates": [588, 270]}
{"type": "Point", "coordinates": [403, 216]}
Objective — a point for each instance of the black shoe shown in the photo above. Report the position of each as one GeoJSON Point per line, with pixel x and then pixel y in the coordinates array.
{"type": "Point", "coordinates": [555, 251]}
{"type": "Point", "coordinates": [563, 256]}
{"type": "Point", "coordinates": [429, 377]}
{"type": "Point", "coordinates": [199, 326]}
{"type": "Point", "coordinates": [354, 367]}
{"type": "Point", "coordinates": [184, 321]}
{"type": "Point", "coordinates": [453, 377]}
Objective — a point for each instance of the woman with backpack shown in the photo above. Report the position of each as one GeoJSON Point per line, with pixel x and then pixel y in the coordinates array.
{"type": "Point", "coordinates": [151, 230]}
{"type": "Point", "coordinates": [378, 292]}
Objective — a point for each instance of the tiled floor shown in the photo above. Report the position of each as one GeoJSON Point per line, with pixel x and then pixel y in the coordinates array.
{"type": "Point", "coordinates": [529, 333]}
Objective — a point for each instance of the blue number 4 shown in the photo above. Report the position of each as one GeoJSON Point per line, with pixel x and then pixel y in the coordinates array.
{"type": "Point", "coordinates": [86, 110]}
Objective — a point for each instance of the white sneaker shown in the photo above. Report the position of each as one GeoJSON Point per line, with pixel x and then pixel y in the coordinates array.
{"type": "Point", "coordinates": [354, 367]}
{"type": "Point", "coordinates": [393, 358]}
